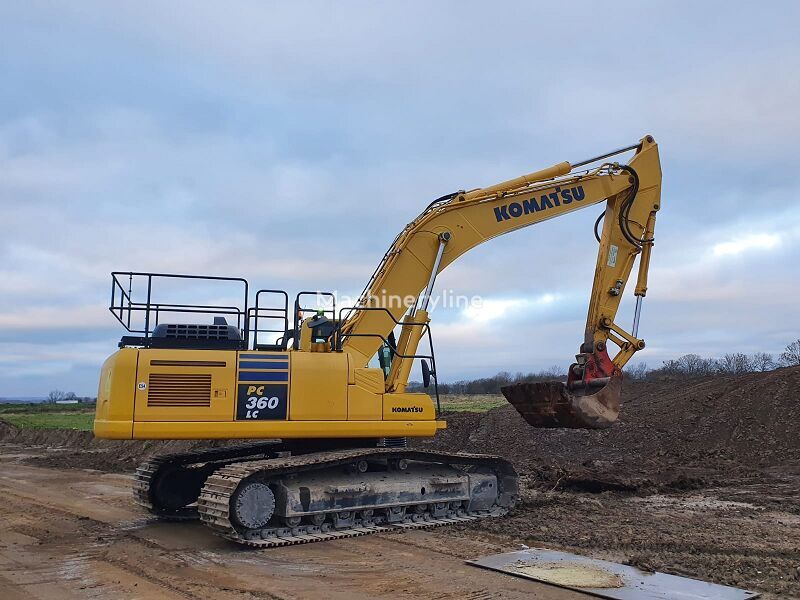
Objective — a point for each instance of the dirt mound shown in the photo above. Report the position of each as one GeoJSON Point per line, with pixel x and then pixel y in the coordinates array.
{"type": "Point", "coordinates": [678, 434]}
{"type": "Point", "coordinates": [81, 450]}
{"type": "Point", "coordinates": [7, 431]}
{"type": "Point", "coordinates": [675, 434]}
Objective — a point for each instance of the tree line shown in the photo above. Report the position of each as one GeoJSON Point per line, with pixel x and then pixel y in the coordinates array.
{"type": "Point", "coordinates": [56, 396]}
{"type": "Point", "coordinates": [688, 365]}
{"type": "Point", "coordinates": [735, 363]}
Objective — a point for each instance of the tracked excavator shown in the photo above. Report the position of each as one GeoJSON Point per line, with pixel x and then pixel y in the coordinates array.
{"type": "Point", "coordinates": [320, 397]}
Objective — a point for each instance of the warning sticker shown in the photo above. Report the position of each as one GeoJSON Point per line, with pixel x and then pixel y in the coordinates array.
{"type": "Point", "coordinates": [612, 255]}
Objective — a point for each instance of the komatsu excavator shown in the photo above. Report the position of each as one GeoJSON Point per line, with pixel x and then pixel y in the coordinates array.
{"type": "Point", "coordinates": [327, 455]}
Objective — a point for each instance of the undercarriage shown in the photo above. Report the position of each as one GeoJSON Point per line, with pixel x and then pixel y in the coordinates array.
{"type": "Point", "coordinates": [268, 494]}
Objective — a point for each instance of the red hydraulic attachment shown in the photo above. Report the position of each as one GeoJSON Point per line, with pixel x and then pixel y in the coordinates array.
{"type": "Point", "coordinates": [589, 400]}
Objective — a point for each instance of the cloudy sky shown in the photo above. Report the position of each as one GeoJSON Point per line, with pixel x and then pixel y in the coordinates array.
{"type": "Point", "coordinates": [289, 142]}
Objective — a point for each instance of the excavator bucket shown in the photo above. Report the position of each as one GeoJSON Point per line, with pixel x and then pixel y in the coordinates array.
{"type": "Point", "coordinates": [553, 404]}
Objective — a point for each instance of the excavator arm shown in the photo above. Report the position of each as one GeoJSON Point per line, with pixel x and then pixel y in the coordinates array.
{"type": "Point", "coordinates": [401, 286]}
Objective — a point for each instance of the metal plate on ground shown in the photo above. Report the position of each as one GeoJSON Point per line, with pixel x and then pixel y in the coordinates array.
{"type": "Point", "coordinates": [605, 579]}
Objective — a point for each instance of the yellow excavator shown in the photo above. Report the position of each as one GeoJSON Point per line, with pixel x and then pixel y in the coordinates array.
{"type": "Point", "coordinates": [322, 393]}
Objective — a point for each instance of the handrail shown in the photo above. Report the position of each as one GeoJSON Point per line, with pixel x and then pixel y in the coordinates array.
{"type": "Point", "coordinates": [254, 312]}
{"type": "Point", "coordinates": [339, 335]}
{"type": "Point", "coordinates": [124, 309]}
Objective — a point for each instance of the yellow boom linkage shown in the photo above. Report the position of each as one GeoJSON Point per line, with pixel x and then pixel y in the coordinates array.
{"type": "Point", "coordinates": [459, 222]}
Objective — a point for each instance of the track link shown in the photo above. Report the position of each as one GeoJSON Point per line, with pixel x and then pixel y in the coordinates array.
{"type": "Point", "coordinates": [215, 498]}
{"type": "Point", "coordinates": [147, 473]}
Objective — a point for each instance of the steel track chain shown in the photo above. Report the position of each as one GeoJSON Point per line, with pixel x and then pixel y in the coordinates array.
{"type": "Point", "coordinates": [215, 498]}
{"type": "Point", "coordinates": [146, 472]}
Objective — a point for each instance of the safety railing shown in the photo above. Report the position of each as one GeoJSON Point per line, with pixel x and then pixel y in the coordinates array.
{"type": "Point", "coordinates": [137, 305]}
{"type": "Point", "coordinates": [275, 315]}
{"type": "Point", "coordinates": [340, 336]}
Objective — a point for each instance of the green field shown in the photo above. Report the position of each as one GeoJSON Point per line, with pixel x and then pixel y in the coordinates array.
{"type": "Point", "coordinates": [48, 416]}
{"type": "Point", "coordinates": [471, 403]}
{"type": "Point", "coordinates": [42, 407]}
{"type": "Point", "coordinates": [51, 420]}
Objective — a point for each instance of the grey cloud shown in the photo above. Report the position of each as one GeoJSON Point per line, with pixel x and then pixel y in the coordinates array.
{"type": "Point", "coordinates": [197, 138]}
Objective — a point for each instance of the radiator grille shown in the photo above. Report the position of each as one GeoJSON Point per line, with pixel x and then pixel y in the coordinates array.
{"type": "Point", "coordinates": [185, 389]}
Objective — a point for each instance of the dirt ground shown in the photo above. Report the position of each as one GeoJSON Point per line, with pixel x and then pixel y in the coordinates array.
{"type": "Point", "coordinates": [699, 478]}
{"type": "Point", "coordinates": [77, 534]}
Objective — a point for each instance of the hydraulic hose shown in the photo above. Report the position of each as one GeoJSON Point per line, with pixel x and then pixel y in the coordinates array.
{"type": "Point", "coordinates": [596, 223]}
{"type": "Point", "coordinates": [626, 207]}
{"type": "Point", "coordinates": [624, 212]}
{"type": "Point", "coordinates": [442, 199]}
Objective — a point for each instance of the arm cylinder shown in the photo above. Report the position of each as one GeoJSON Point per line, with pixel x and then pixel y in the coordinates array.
{"type": "Point", "coordinates": [644, 261]}
{"type": "Point", "coordinates": [558, 170]}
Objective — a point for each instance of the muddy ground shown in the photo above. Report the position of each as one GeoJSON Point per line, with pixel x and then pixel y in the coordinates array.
{"type": "Point", "coordinates": [75, 534]}
{"type": "Point", "coordinates": [700, 478]}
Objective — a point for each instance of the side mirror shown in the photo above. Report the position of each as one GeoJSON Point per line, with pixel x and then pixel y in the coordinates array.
{"type": "Point", "coordinates": [426, 373]}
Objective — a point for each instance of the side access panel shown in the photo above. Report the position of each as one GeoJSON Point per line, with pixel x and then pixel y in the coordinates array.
{"type": "Point", "coordinates": [116, 396]}
{"type": "Point", "coordinates": [318, 386]}
{"type": "Point", "coordinates": [408, 407]}
{"type": "Point", "coordinates": [185, 385]}
{"type": "Point", "coordinates": [365, 396]}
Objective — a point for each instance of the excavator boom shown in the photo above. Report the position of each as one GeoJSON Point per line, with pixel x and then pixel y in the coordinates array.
{"type": "Point", "coordinates": [456, 223]}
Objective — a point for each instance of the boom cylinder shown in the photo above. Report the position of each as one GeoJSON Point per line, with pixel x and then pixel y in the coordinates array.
{"type": "Point", "coordinates": [413, 328]}
{"type": "Point", "coordinates": [444, 237]}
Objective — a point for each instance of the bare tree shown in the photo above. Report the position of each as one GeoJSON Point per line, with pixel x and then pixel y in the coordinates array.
{"type": "Point", "coordinates": [670, 367]}
{"type": "Point", "coordinates": [734, 364]}
{"type": "Point", "coordinates": [56, 396]}
{"type": "Point", "coordinates": [695, 365]}
{"type": "Point", "coordinates": [553, 372]}
{"type": "Point", "coordinates": [762, 361]}
{"type": "Point", "coordinates": [790, 357]}
{"type": "Point", "coordinates": [688, 365]}
{"type": "Point", "coordinates": [504, 378]}
{"type": "Point", "coordinates": [637, 371]}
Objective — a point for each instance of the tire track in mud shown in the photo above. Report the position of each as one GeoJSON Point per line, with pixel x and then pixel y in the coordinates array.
{"type": "Point", "coordinates": [70, 547]}
{"type": "Point", "coordinates": [159, 573]}
{"type": "Point", "coordinates": [53, 530]}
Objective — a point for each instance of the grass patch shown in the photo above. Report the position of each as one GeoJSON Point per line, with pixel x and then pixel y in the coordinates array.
{"type": "Point", "coordinates": [24, 408]}
{"type": "Point", "coordinates": [51, 420]}
{"type": "Point", "coordinates": [471, 402]}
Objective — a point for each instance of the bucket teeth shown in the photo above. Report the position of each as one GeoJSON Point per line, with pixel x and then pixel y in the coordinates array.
{"type": "Point", "coordinates": [551, 404]}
